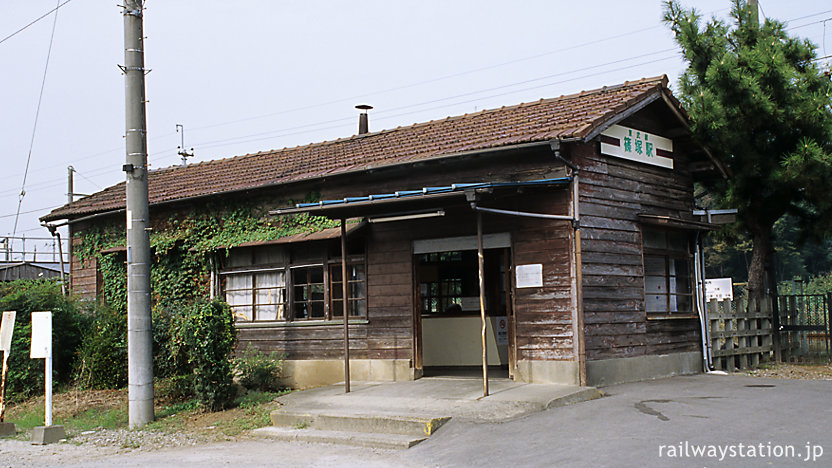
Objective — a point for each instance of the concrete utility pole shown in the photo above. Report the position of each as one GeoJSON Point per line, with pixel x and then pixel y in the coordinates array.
{"type": "Point", "coordinates": [139, 334]}
{"type": "Point", "coordinates": [70, 185]}
{"type": "Point", "coordinates": [755, 11]}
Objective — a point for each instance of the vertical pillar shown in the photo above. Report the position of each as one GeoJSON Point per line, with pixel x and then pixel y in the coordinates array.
{"type": "Point", "coordinates": [481, 269]}
{"type": "Point", "coordinates": [139, 333]}
{"type": "Point", "coordinates": [345, 305]}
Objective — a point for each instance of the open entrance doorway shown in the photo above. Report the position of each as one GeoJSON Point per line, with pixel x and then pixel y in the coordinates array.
{"type": "Point", "coordinates": [449, 325]}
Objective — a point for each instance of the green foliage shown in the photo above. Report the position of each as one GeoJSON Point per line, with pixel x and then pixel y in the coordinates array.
{"type": "Point", "coordinates": [176, 388]}
{"type": "Point", "coordinates": [189, 334]}
{"type": "Point", "coordinates": [209, 334]}
{"type": "Point", "coordinates": [26, 376]}
{"type": "Point", "coordinates": [256, 370]}
{"type": "Point", "coordinates": [103, 354]}
{"type": "Point", "coordinates": [759, 102]}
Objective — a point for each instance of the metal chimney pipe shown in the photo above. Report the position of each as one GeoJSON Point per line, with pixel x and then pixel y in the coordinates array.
{"type": "Point", "coordinates": [363, 119]}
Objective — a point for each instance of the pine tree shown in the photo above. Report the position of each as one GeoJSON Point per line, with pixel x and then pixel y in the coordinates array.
{"type": "Point", "coordinates": [759, 102]}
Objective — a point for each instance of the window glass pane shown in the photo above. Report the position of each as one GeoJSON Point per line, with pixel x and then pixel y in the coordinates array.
{"type": "Point", "coordinates": [683, 304]}
{"type": "Point", "coordinates": [270, 296]}
{"type": "Point", "coordinates": [356, 272]}
{"type": "Point", "coordinates": [654, 239]}
{"type": "Point", "coordinates": [356, 290]}
{"type": "Point", "coordinates": [336, 290]}
{"type": "Point", "coordinates": [267, 312]}
{"type": "Point", "coordinates": [655, 284]}
{"type": "Point", "coordinates": [270, 279]}
{"type": "Point", "coordinates": [681, 285]}
{"type": "Point", "coordinates": [300, 310]}
{"type": "Point", "coordinates": [654, 265]}
{"type": "Point", "coordinates": [234, 298]}
{"type": "Point", "coordinates": [301, 293]}
{"type": "Point", "coordinates": [681, 267]}
{"type": "Point", "coordinates": [241, 313]}
{"type": "Point", "coordinates": [317, 309]}
{"type": "Point", "coordinates": [237, 282]}
{"type": "Point", "coordinates": [677, 242]}
{"type": "Point", "coordinates": [316, 275]}
{"type": "Point", "coordinates": [316, 292]}
{"type": "Point", "coordinates": [299, 276]}
{"type": "Point", "coordinates": [656, 303]}
{"type": "Point", "coordinates": [358, 308]}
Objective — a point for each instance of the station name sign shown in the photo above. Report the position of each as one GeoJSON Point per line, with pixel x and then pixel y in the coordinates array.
{"type": "Point", "coordinates": [636, 145]}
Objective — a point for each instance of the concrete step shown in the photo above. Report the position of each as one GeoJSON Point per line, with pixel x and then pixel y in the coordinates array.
{"type": "Point", "coordinates": [358, 439]}
{"type": "Point", "coordinates": [416, 426]}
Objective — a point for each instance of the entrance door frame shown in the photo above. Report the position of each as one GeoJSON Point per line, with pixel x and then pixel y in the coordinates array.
{"type": "Point", "coordinates": [464, 243]}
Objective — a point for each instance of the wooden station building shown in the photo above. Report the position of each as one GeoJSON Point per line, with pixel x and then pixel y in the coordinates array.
{"type": "Point", "coordinates": [581, 207]}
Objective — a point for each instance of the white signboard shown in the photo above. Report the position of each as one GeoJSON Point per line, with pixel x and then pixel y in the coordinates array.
{"type": "Point", "coordinates": [6, 330]}
{"type": "Point", "coordinates": [41, 335]}
{"type": "Point", "coordinates": [637, 145]}
{"type": "Point", "coordinates": [719, 289]}
{"type": "Point", "coordinates": [529, 276]}
{"type": "Point", "coordinates": [501, 330]}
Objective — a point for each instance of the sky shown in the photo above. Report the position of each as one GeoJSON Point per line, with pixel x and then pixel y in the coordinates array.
{"type": "Point", "coordinates": [251, 75]}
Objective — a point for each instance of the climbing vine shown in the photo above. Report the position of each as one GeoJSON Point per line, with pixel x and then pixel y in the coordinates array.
{"type": "Point", "coordinates": [183, 247]}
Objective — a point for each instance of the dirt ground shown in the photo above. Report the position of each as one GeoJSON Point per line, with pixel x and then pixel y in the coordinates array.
{"type": "Point", "coordinates": [793, 371]}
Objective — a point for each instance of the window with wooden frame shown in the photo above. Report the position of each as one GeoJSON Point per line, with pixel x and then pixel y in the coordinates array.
{"type": "Point", "coordinates": [668, 274]}
{"type": "Point", "coordinates": [356, 290]}
{"type": "Point", "coordinates": [256, 295]}
{"type": "Point", "coordinates": [308, 293]}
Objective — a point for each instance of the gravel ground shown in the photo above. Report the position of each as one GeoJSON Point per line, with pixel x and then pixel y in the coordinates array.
{"type": "Point", "coordinates": [90, 446]}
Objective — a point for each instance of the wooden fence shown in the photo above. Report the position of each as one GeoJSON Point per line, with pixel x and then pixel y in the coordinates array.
{"type": "Point", "coordinates": [739, 339]}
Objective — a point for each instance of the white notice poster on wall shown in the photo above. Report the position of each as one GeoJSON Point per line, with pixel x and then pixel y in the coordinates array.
{"type": "Point", "coordinates": [6, 330]}
{"type": "Point", "coordinates": [41, 335]}
{"type": "Point", "coordinates": [529, 276]}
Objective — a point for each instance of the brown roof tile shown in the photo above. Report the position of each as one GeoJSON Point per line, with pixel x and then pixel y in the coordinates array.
{"type": "Point", "coordinates": [565, 117]}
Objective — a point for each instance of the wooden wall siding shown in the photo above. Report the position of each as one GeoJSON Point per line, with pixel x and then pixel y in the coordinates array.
{"type": "Point", "coordinates": [543, 316]}
{"type": "Point", "coordinates": [613, 192]}
{"type": "Point", "coordinates": [306, 342]}
{"type": "Point", "coordinates": [390, 292]}
{"type": "Point", "coordinates": [544, 326]}
{"type": "Point", "coordinates": [83, 279]}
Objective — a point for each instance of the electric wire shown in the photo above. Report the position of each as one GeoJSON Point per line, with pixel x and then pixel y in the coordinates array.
{"type": "Point", "coordinates": [282, 132]}
{"type": "Point", "coordinates": [33, 22]}
{"type": "Point", "coordinates": [37, 115]}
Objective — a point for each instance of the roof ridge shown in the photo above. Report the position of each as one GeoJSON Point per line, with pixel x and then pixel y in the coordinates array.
{"type": "Point", "coordinates": [525, 122]}
{"type": "Point", "coordinates": [541, 101]}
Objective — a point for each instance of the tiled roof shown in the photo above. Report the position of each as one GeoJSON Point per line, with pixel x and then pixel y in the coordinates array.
{"type": "Point", "coordinates": [566, 117]}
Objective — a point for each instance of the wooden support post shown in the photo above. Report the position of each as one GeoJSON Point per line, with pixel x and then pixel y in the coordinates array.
{"type": "Point", "coordinates": [345, 305]}
{"type": "Point", "coordinates": [579, 280]}
{"type": "Point", "coordinates": [481, 268]}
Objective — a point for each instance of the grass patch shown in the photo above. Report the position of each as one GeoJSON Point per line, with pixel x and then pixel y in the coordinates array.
{"type": "Point", "coordinates": [95, 410]}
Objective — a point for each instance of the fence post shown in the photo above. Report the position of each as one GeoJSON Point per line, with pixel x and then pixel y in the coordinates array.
{"type": "Point", "coordinates": [828, 328]}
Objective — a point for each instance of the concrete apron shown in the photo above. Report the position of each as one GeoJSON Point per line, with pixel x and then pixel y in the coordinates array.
{"type": "Point", "coordinates": [410, 411]}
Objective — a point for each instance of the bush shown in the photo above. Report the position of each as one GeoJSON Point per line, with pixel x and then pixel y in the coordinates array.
{"type": "Point", "coordinates": [256, 370]}
{"type": "Point", "coordinates": [208, 333]}
{"type": "Point", "coordinates": [170, 355]}
{"type": "Point", "coordinates": [26, 376]}
{"type": "Point", "coordinates": [176, 388]}
{"type": "Point", "coordinates": [103, 355]}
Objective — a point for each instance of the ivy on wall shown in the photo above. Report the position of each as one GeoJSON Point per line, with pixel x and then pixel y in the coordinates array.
{"type": "Point", "coordinates": [183, 247]}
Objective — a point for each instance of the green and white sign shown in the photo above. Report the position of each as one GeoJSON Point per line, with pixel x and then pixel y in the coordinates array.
{"type": "Point", "coordinates": [637, 145]}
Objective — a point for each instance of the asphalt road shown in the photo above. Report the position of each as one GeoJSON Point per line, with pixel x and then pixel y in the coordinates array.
{"type": "Point", "coordinates": [734, 420]}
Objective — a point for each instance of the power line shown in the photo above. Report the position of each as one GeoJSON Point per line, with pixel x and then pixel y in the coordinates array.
{"type": "Point", "coordinates": [33, 22]}
{"type": "Point", "coordinates": [29, 212]}
{"type": "Point", "coordinates": [37, 114]}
